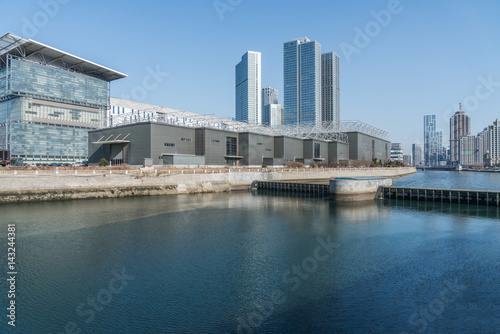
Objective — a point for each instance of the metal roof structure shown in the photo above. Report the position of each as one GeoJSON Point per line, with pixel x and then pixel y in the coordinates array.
{"type": "Point", "coordinates": [29, 49]}
{"type": "Point", "coordinates": [325, 131]}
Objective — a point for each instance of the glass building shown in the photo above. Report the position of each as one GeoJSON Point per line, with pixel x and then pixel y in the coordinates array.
{"type": "Point", "coordinates": [49, 100]}
{"type": "Point", "coordinates": [269, 97]}
{"type": "Point", "coordinates": [302, 82]}
{"type": "Point", "coordinates": [330, 87]}
{"type": "Point", "coordinates": [433, 142]}
{"type": "Point", "coordinates": [248, 88]}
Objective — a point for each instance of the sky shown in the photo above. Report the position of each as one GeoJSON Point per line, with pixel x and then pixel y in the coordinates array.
{"type": "Point", "coordinates": [399, 60]}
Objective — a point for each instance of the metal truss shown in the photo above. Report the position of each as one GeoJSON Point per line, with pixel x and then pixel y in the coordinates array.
{"type": "Point", "coordinates": [359, 126]}
{"type": "Point", "coordinates": [327, 131]}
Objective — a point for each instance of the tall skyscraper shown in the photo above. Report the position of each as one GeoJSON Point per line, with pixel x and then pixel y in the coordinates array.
{"type": "Point", "coordinates": [494, 144]}
{"type": "Point", "coordinates": [248, 88]}
{"type": "Point", "coordinates": [418, 158]}
{"type": "Point", "coordinates": [302, 82]}
{"type": "Point", "coordinates": [433, 141]}
{"type": "Point", "coordinates": [330, 87]}
{"type": "Point", "coordinates": [269, 97]}
{"type": "Point", "coordinates": [460, 126]}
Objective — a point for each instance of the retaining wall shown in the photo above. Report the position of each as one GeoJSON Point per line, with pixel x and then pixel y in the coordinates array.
{"type": "Point", "coordinates": [31, 187]}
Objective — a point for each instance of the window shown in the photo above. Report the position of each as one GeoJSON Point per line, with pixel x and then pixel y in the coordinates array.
{"type": "Point", "coordinates": [259, 144]}
{"type": "Point", "coordinates": [215, 141]}
{"type": "Point", "coordinates": [185, 139]}
{"type": "Point", "coordinates": [268, 150]}
{"type": "Point", "coordinates": [231, 148]}
{"type": "Point", "coordinates": [317, 151]}
{"type": "Point", "coordinates": [170, 144]}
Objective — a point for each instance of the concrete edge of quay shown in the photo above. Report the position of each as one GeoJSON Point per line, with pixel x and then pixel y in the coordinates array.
{"type": "Point", "coordinates": [34, 188]}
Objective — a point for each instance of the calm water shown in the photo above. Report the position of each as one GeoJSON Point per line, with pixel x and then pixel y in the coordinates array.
{"type": "Point", "coordinates": [229, 263]}
{"type": "Point", "coordinates": [451, 180]}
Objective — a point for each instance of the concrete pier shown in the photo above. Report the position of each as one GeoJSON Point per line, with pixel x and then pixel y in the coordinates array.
{"type": "Point", "coordinates": [350, 189]}
{"type": "Point", "coordinates": [346, 189]}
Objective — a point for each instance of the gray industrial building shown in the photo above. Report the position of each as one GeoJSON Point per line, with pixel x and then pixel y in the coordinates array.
{"type": "Point", "coordinates": [366, 147]}
{"type": "Point", "coordinates": [169, 144]}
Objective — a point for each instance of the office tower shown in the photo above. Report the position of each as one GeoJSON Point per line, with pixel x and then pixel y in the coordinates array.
{"type": "Point", "coordinates": [493, 138]}
{"type": "Point", "coordinates": [269, 97]}
{"type": "Point", "coordinates": [467, 150]}
{"type": "Point", "coordinates": [248, 88]}
{"type": "Point", "coordinates": [417, 155]}
{"type": "Point", "coordinates": [460, 126]}
{"type": "Point", "coordinates": [49, 100]}
{"type": "Point", "coordinates": [433, 142]}
{"type": "Point", "coordinates": [276, 115]}
{"type": "Point", "coordinates": [302, 82]}
{"type": "Point", "coordinates": [330, 87]}
{"type": "Point", "coordinates": [483, 148]}
{"type": "Point", "coordinates": [407, 159]}
{"type": "Point", "coordinates": [396, 152]}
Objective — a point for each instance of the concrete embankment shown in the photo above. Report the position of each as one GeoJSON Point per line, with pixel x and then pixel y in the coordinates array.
{"type": "Point", "coordinates": [22, 187]}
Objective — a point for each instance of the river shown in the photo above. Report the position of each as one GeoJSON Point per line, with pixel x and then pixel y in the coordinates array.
{"type": "Point", "coordinates": [262, 263]}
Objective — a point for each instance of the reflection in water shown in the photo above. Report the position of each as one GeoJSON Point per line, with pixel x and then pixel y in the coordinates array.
{"type": "Point", "coordinates": [203, 262]}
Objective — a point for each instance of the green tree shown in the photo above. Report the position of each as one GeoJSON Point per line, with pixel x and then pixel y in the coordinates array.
{"type": "Point", "coordinates": [103, 163]}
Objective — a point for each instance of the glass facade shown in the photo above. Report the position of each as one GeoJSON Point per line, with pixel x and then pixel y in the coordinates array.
{"type": "Point", "coordinates": [269, 97]}
{"type": "Point", "coordinates": [248, 88]}
{"type": "Point", "coordinates": [302, 82]}
{"type": "Point", "coordinates": [45, 142]}
{"type": "Point", "coordinates": [46, 112]}
{"type": "Point", "coordinates": [330, 84]}
{"type": "Point", "coordinates": [37, 80]}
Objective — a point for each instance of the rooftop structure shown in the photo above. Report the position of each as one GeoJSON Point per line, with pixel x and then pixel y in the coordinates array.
{"type": "Point", "coordinates": [142, 112]}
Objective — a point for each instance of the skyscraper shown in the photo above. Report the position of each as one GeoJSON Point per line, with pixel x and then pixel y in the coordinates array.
{"type": "Point", "coordinates": [417, 155]}
{"type": "Point", "coordinates": [248, 88]}
{"type": "Point", "coordinates": [460, 126]}
{"type": "Point", "coordinates": [302, 82]}
{"type": "Point", "coordinates": [269, 97]}
{"type": "Point", "coordinates": [433, 141]}
{"type": "Point", "coordinates": [494, 144]}
{"type": "Point", "coordinates": [330, 87]}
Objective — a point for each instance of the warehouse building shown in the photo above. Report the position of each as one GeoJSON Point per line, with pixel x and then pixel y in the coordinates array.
{"type": "Point", "coordinates": [169, 144]}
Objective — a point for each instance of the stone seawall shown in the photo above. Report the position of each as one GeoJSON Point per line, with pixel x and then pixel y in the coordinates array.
{"type": "Point", "coordinates": [30, 188]}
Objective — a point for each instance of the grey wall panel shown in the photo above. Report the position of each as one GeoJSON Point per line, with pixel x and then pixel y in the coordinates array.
{"type": "Point", "coordinates": [255, 147]}
{"type": "Point", "coordinates": [163, 136]}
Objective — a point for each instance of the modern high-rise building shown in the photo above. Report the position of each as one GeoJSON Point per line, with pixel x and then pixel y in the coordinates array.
{"type": "Point", "coordinates": [248, 88]}
{"type": "Point", "coordinates": [460, 126]}
{"type": "Point", "coordinates": [396, 152]}
{"type": "Point", "coordinates": [433, 142]}
{"type": "Point", "coordinates": [407, 159]}
{"type": "Point", "coordinates": [467, 150]}
{"type": "Point", "coordinates": [302, 82]}
{"type": "Point", "coordinates": [494, 144]}
{"type": "Point", "coordinates": [49, 100]}
{"type": "Point", "coordinates": [418, 157]}
{"type": "Point", "coordinates": [276, 115]}
{"type": "Point", "coordinates": [330, 87]}
{"type": "Point", "coordinates": [269, 97]}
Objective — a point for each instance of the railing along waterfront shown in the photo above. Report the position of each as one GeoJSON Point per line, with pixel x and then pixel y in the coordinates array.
{"type": "Point", "coordinates": [174, 171]}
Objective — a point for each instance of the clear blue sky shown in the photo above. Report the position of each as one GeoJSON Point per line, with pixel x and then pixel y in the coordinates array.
{"type": "Point", "coordinates": [425, 59]}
